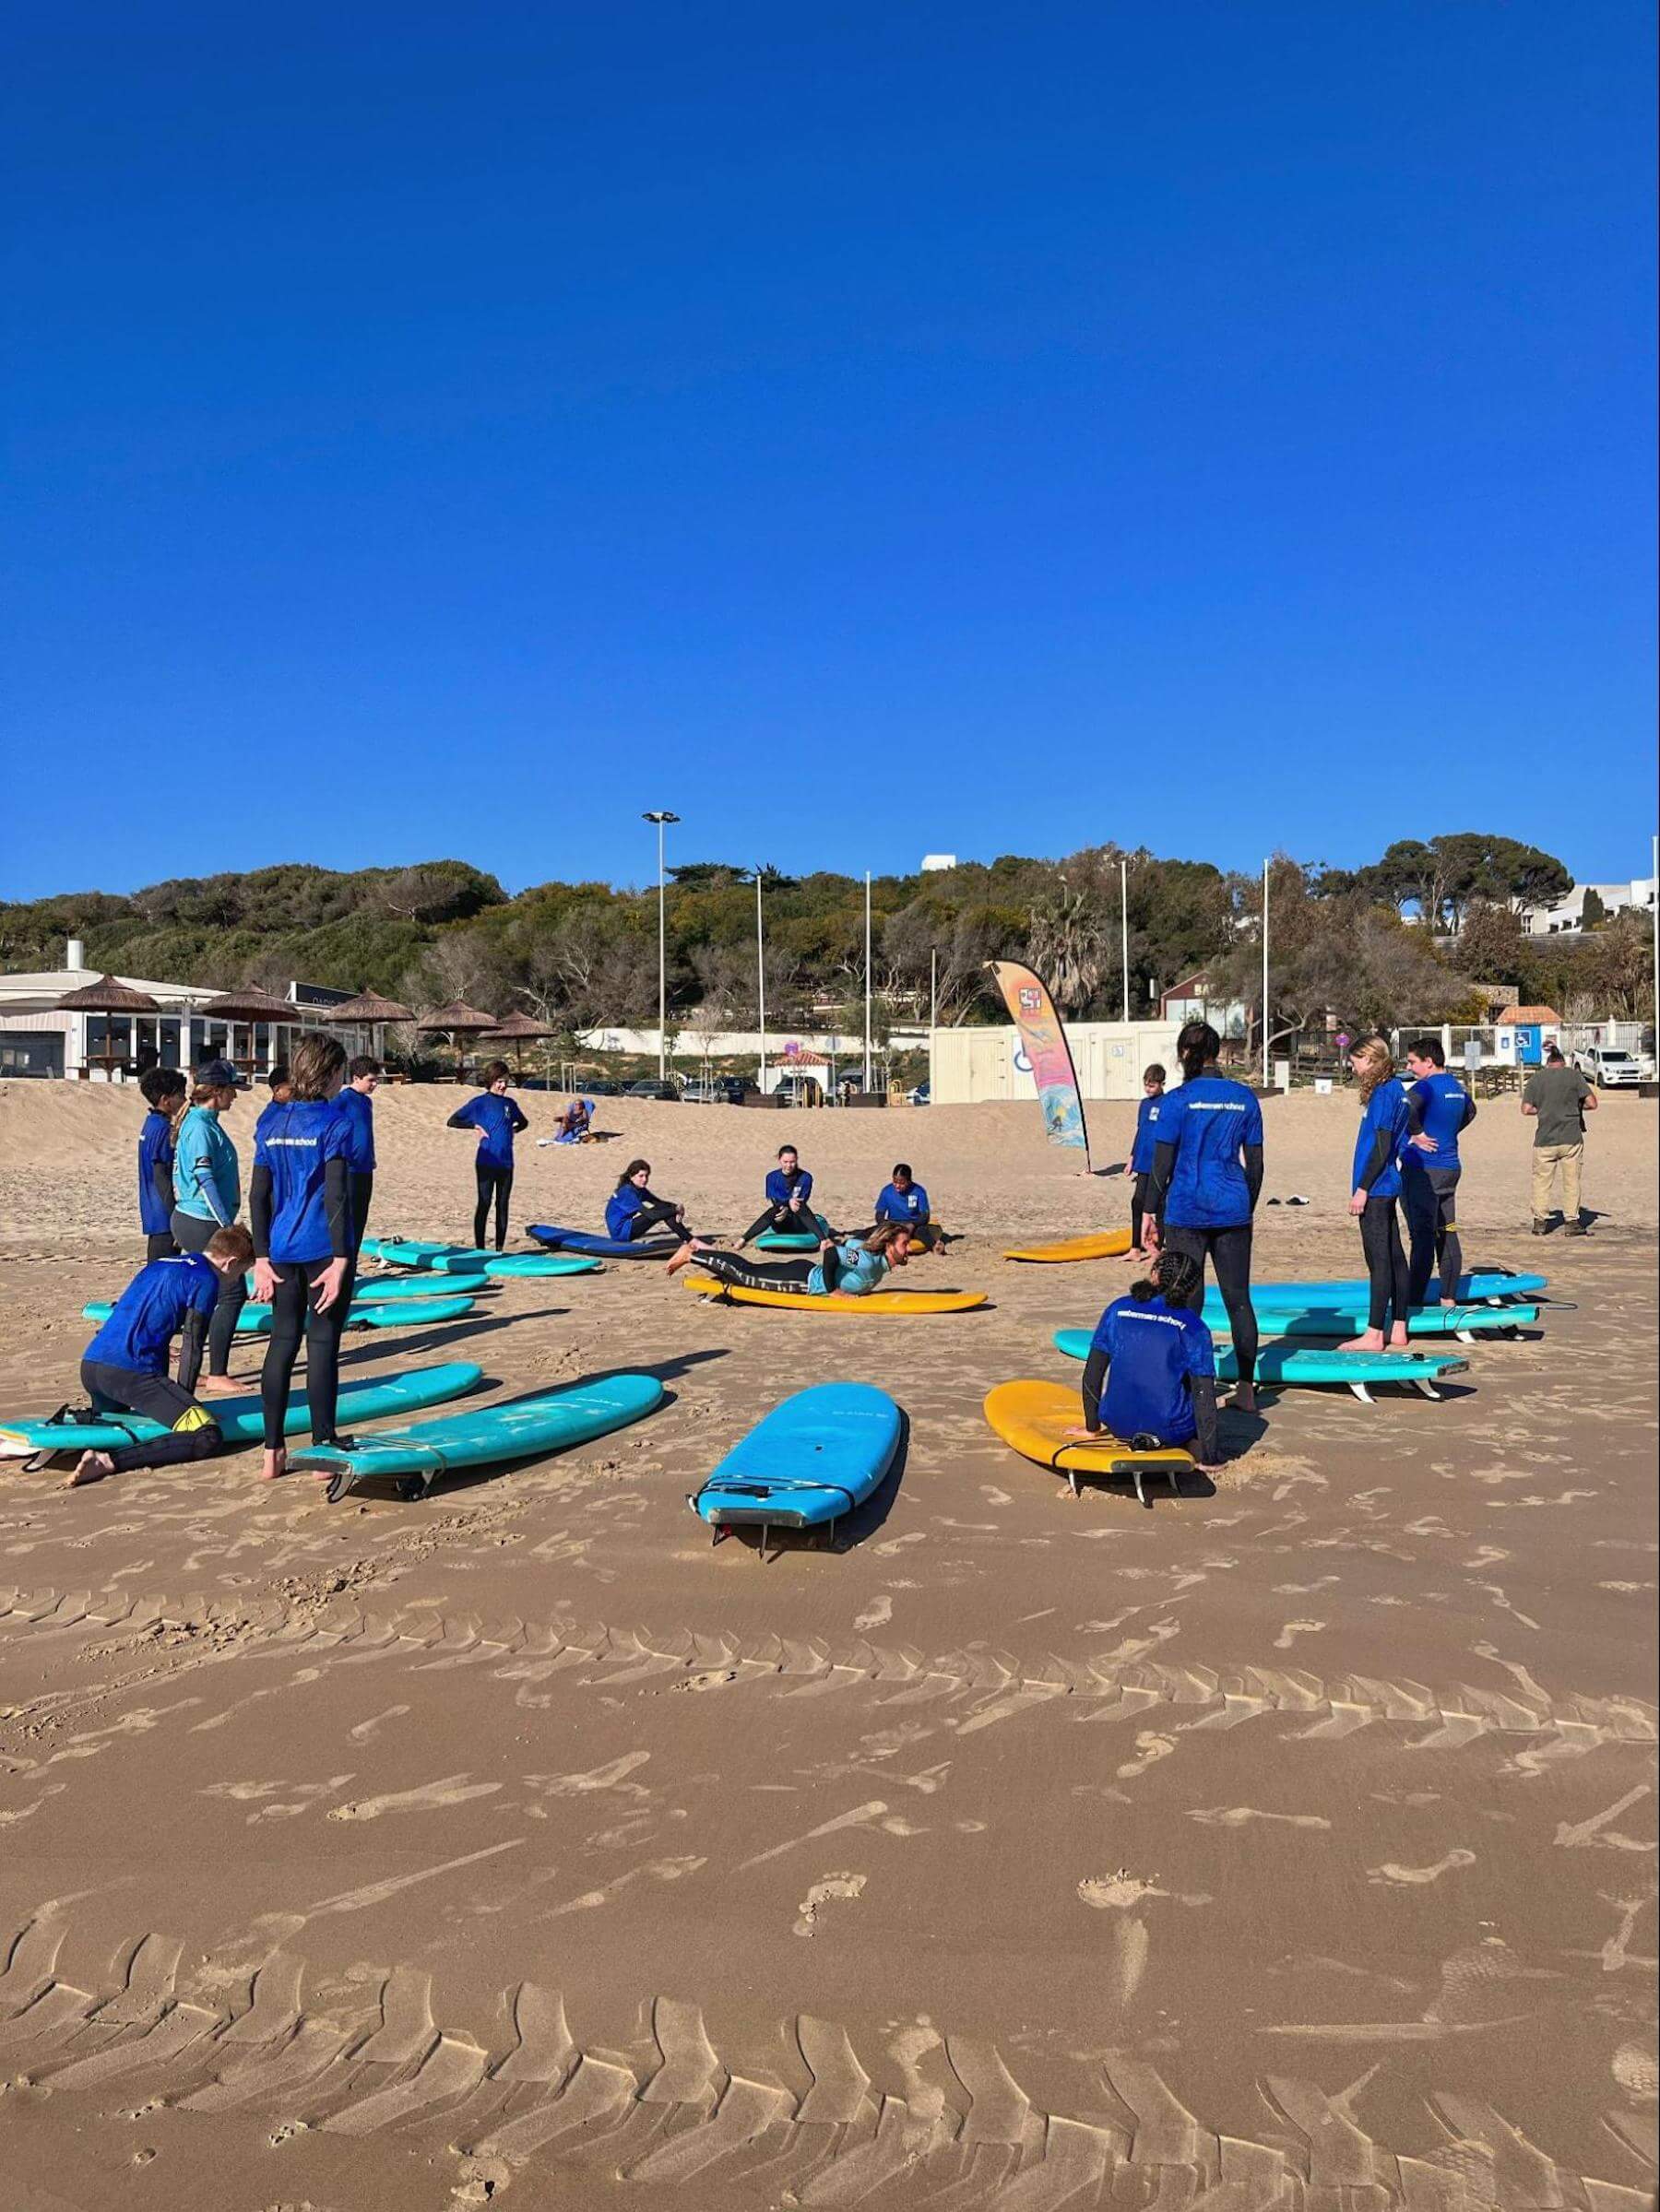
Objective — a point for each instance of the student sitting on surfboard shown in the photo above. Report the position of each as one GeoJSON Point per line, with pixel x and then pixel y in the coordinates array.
{"type": "Point", "coordinates": [903, 1200]}
{"type": "Point", "coordinates": [787, 1213]}
{"type": "Point", "coordinates": [851, 1266]}
{"type": "Point", "coordinates": [163, 1090]}
{"type": "Point", "coordinates": [124, 1369]}
{"type": "Point", "coordinates": [1154, 1355]}
{"type": "Point", "coordinates": [1142, 1154]}
{"type": "Point", "coordinates": [634, 1211]}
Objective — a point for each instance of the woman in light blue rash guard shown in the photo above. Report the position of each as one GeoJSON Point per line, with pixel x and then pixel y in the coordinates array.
{"type": "Point", "coordinates": [207, 1196]}
{"type": "Point", "coordinates": [1202, 1195]}
{"type": "Point", "coordinates": [496, 1118]}
{"type": "Point", "coordinates": [852, 1268]}
{"type": "Point", "coordinates": [1385, 1126]}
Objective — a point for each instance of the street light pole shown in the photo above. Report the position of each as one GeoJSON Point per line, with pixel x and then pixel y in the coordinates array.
{"type": "Point", "coordinates": [867, 1035]}
{"type": "Point", "coordinates": [1265, 866]}
{"type": "Point", "coordinates": [662, 818]}
{"type": "Point", "coordinates": [761, 980]}
{"type": "Point", "coordinates": [1125, 928]}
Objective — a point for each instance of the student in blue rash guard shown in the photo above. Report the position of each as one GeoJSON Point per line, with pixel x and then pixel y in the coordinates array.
{"type": "Point", "coordinates": [497, 1118]}
{"type": "Point", "coordinates": [207, 1196]}
{"type": "Point", "coordinates": [848, 1267]}
{"type": "Point", "coordinates": [1154, 1353]}
{"type": "Point", "coordinates": [903, 1200]}
{"type": "Point", "coordinates": [356, 1111]}
{"type": "Point", "coordinates": [124, 1369]}
{"type": "Point", "coordinates": [1143, 1153]}
{"type": "Point", "coordinates": [634, 1211]}
{"type": "Point", "coordinates": [300, 1204]}
{"type": "Point", "coordinates": [787, 1211]}
{"type": "Point", "coordinates": [163, 1090]}
{"type": "Point", "coordinates": [1440, 1110]}
{"type": "Point", "coordinates": [1386, 1125]}
{"type": "Point", "coordinates": [1202, 1195]}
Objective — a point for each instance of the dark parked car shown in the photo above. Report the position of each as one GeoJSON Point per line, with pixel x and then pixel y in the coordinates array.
{"type": "Point", "coordinates": [719, 1090]}
{"type": "Point", "coordinates": [653, 1089]}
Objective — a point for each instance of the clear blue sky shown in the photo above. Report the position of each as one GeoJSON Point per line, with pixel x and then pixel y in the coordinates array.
{"type": "Point", "coordinates": [1216, 423]}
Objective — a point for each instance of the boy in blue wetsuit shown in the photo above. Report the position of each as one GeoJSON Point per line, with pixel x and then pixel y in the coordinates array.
{"type": "Point", "coordinates": [301, 1202]}
{"type": "Point", "coordinates": [1440, 1110]}
{"type": "Point", "coordinates": [1155, 1357]}
{"type": "Point", "coordinates": [124, 1369]}
{"type": "Point", "coordinates": [1385, 1126]}
{"type": "Point", "coordinates": [355, 1106]}
{"type": "Point", "coordinates": [787, 1211]}
{"type": "Point", "coordinates": [497, 1120]}
{"type": "Point", "coordinates": [163, 1090]}
{"type": "Point", "coordinates": [1142, 1154]}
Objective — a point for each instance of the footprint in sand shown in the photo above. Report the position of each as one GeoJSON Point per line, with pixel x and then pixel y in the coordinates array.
{"type": "Point", "coordinates": [821, 1892]}
{"type": "Point", "coordinates": [432, 1797]}
{"type": "Point", "coordinates": [1117, 1892]}
{"type": "Point", "coordinates": [876, 1615]}
{"type": "Point", "coordinates": [1407, 1876]}
{"type": "Point", "coordinates": [1236, 1816]}
{"type": "Point", "coordinates": [1153, 1748]}
{"type": "Point", "coordinates": [1293, 1629]}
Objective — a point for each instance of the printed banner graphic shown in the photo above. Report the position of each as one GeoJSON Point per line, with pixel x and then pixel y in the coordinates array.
{"type": "Point", "coordinates": [1033, 1012]}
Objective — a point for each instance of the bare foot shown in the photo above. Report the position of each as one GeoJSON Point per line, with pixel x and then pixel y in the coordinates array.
{"type": "Point", "coordinates": [217, 1386]}
{"type": "Point", "coordinates": [683, 1258]}
{"type": "Point", "coordinates": [1399, 1340]}
{"type": "Point", "coordinates": [274, 1465]}
{"type": "Point", "coordinates": [91, 1467]}
{"type": "Point", "coordinates": [1244, 1399]}
{"type": "Point", "coordinates": [1083, 1436]}
{"type": "Point", "coordinates": [1370, 1341]}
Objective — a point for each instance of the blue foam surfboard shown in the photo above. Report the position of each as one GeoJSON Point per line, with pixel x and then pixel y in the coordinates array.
{"type": "Point", "coordinates": [1350, 1320]}
{"type": "Point", "coordinates": [412, 1313]}
{"type": "Point", "coordinates": [1485, 1284]}
{"type": "Point", "coordinates": [786, 1240]}
{"type": "Point", "coordinates": [602, 1248]}
{"type": "Point", "coordinates": [1286, 1361]}
{"type": "Point", "coordinates": [425, 1259]}
{"type": "Point", "coordinates": [810, 1461]}
{"type": "Point", "coordinates": [387, 1290]}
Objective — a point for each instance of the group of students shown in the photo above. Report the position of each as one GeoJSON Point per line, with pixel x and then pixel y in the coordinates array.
{"type": "Point", "coordinates": [308, 1206]}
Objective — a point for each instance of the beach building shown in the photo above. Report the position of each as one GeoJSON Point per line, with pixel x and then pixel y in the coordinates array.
{"type": "Point", "coordinates": [1562, 916]}
{"type": "Point", "coordinates": [145, 1023]}
{"type": "Point", "coordinates": [969, 1065]}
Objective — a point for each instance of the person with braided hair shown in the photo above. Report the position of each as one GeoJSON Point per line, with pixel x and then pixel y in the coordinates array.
{"type": "Point", "coordinates": [1151, 1375]}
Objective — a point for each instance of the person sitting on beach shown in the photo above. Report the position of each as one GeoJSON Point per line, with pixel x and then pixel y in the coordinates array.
{"type": "Point", "coordinates": [1143, 1153]}
{"type": "Point", "coordinates": [163, 1090]}
{"type": "Point", "coordinates": [124, 1369]}
{"type": "Point", "coordinates": [848, 1267]}
{"type": "Point", "coordinates": [787, 1212]}
{"type": "Point", "coordinates": [903, 1200]}
{"type": "Point", "coordinates": [497, 1119]}
{"type": "Point", "coordinates": [1154, 1355]}
{"type": "Point", "coordinates": [574, 1125]}
{"type": "Point", "coordinates": [634, 1210]}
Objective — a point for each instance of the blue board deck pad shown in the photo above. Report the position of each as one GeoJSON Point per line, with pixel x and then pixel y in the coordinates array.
{"type": "Point", "coordinates": [808, 1463]}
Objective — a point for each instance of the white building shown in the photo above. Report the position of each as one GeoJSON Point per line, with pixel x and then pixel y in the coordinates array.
{"type": "Point", "coordinates": [969, 1065]}
{"type": "Point", "coordinates": [1567, 914]}
{"type": "Point", "coordinates": [934, 864]}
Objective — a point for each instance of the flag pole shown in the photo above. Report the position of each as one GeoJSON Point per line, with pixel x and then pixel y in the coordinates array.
{"type": "Point", "coordinates": [1265, 866]}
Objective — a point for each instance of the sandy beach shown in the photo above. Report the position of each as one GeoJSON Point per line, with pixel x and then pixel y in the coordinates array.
{"type": "Point", "coordinates": [1291, 1846]}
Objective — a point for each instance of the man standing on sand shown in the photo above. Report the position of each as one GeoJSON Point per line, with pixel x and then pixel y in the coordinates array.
{"type": "Point", "coordinates": [1559, 1098]}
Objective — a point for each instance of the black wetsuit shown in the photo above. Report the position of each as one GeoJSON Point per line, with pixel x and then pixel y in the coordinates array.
{"type": "Point", "coordinates": [191, 1234]}
{"type": "Point", "coordinates": [1227, 1249]}
{"type": "Point", "coordinates": [193, 1432]}
{"type": "Point", "coordinates": [294, 1314]}
{"type": "Point", "coordinates": [1387, 1281]}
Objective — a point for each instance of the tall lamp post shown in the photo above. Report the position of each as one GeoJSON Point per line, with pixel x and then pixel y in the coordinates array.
{"type": "Point", "coordinates": [761, 980]}
{"type": "Point", "coordinates": [662, 818]}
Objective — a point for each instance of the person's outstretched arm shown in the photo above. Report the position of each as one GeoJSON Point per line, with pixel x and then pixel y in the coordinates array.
{"type": "Point", "coordinates": [1202, 1389]}
{"type": "Point", "coordinates": [1095, 1381]}
{"type": "Point", "coordinates": [1253, 1173]}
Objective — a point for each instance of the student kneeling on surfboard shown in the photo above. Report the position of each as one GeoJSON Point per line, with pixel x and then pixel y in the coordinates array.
{"type": "Point", "coordinates": [850, 1268]}
{"type": "Point", "coordinates": [788, 1211]}
{"type": "Point", "coordinates": [1155, 1357]}
{"type": "Point", "coordinates": [124, 1371]}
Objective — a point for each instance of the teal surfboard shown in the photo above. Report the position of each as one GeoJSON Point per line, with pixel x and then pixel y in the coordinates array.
{"type": "Point", "coordinates": [387, 1290]}
{"type": "Point", "coordinates": [377, 1248]}
{"type": "Point", "coordinates": [1339, 1320]}
{"type": "Point", "coordinates": [452, 1260]}
{"type": "Point", "coordinates": [241, 1417]}
{"type": "Point", "coordinates": [786, 1240]}
{"type": "Point", "coordinates": [542, 1263]}
{"type": "Point", "coordinates": [1285, 1362]}
{"type": "Point", "coordinates": [411, 1313]}
{"type": "Point", "coordinates": [1486, 1286]}
{"type": "Point", "coordinates": [809, 1463]}
{"type": "Point", "coordinates": [523, 1428]}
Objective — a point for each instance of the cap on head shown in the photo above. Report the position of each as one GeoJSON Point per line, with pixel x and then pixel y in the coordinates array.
{"type": "Point", "coordinates": [216, 1075]}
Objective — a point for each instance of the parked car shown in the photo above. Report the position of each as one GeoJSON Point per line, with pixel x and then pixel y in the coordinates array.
{"type": "Point", "coordinates": [1609, 1068]}
{"type": "Point", "coordinates": [718, 1090]}
{"type": "Point", "coordinates": [652, 1088]}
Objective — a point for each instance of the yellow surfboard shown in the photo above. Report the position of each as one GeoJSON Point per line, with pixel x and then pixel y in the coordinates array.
{"type": "Point", "coordinates": [1111, 1244]}
{"type": "Point", "coordinates": [1033, 1419]}
{"type": "Point", "coordinates": [877, 1302]}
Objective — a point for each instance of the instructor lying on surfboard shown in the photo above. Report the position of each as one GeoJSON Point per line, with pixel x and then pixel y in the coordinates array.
{"type": "Point", "coordinates": [851, 1268]}
{"type": "Point", "coordinates": [1154, 1355]}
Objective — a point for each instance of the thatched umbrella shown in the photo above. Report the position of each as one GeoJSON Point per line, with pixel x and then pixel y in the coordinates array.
{"type": "Point", "coordinates": [457, 1019]}
{"type": "Point", "coordinates": [248, 1004]}
{"type": "Point", "coordinates": [109, 994]}
{"type": "Point", "coordinates": [519, 1030]}
{"type": "Point", "coordinates": [370, 1010]}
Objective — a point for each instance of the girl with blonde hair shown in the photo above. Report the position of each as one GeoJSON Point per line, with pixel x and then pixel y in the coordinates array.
{"type": "Point", "coordinates": [1385, 1127]}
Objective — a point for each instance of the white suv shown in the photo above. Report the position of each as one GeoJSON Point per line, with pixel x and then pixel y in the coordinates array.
{"type": "Point", "coordinates": [1611, 1069]}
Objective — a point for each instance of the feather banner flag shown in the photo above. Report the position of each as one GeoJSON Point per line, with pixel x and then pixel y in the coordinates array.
{"type": "Point", "coordinates": [1033, 1012]}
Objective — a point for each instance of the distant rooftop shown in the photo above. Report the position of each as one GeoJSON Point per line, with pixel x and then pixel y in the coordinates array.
{"type": "Point", "coordinates": [933, 862]}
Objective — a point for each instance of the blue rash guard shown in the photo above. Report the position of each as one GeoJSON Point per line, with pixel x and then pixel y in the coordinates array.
{"type": "Point", "coordinates": [1210, 1120]}
{"type": "Point", "coordinates": [357, 1118]}
{"type": "Point", "coordinates": [1147, 1131]}
{"type": "Point", "coordinates": [207, 1180]}
{"type": "Point", "coordinates": [1383, 1120]}
{"type": "Point", "coordinates": [155, 1150]}
{"type": "Point", "coordinates": [1444, 1110]}
{"type": "Point", "coordinates": [1154, 1348]}
{"type": "Point", "coordinates": [496, 1117]}
{"type": "Point", "coordinates": [296, 1142]}
{"type": "Point", "coordinates": [909, 1205]}
{"type": "Point", "coordinates": [623, 1209]}
{"type": "Point", "coordinates": [859, 1271]}
{"type": "Point", "coordinates": [781, 1188]}
{"type": "Point", "coordinates": [151, 1312]}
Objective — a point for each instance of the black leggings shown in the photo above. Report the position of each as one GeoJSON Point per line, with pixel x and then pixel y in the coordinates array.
{"type": "Point", "coordinates": [1385, 1263]}
{"type": "Point", "coordinates": [1430, 1198]}
{"type": "Point", "coordinates": [495, 1187]}
{"type": "Point", "coordinates": [191, 1235]}
{"type": "Point", "coordinates": [658, 1214]}
{"type": "Point", "coordinates": [193, 1432]}
{"type": "Point", "coordinates": [1229, 1251]}
{"type": "Point", "coordinates": [1138, 1207]}
{"type": "Point", "coordinates": [776, 1274]}
{"type": "Point", "coordinates": [160, 1244]}
{"type": "Point", "coordinates": [361, 1184]}
{"type": "Point", "coordinates": [781, 1221]}
{"type": "Point", "coordinates": [293, 1315]}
